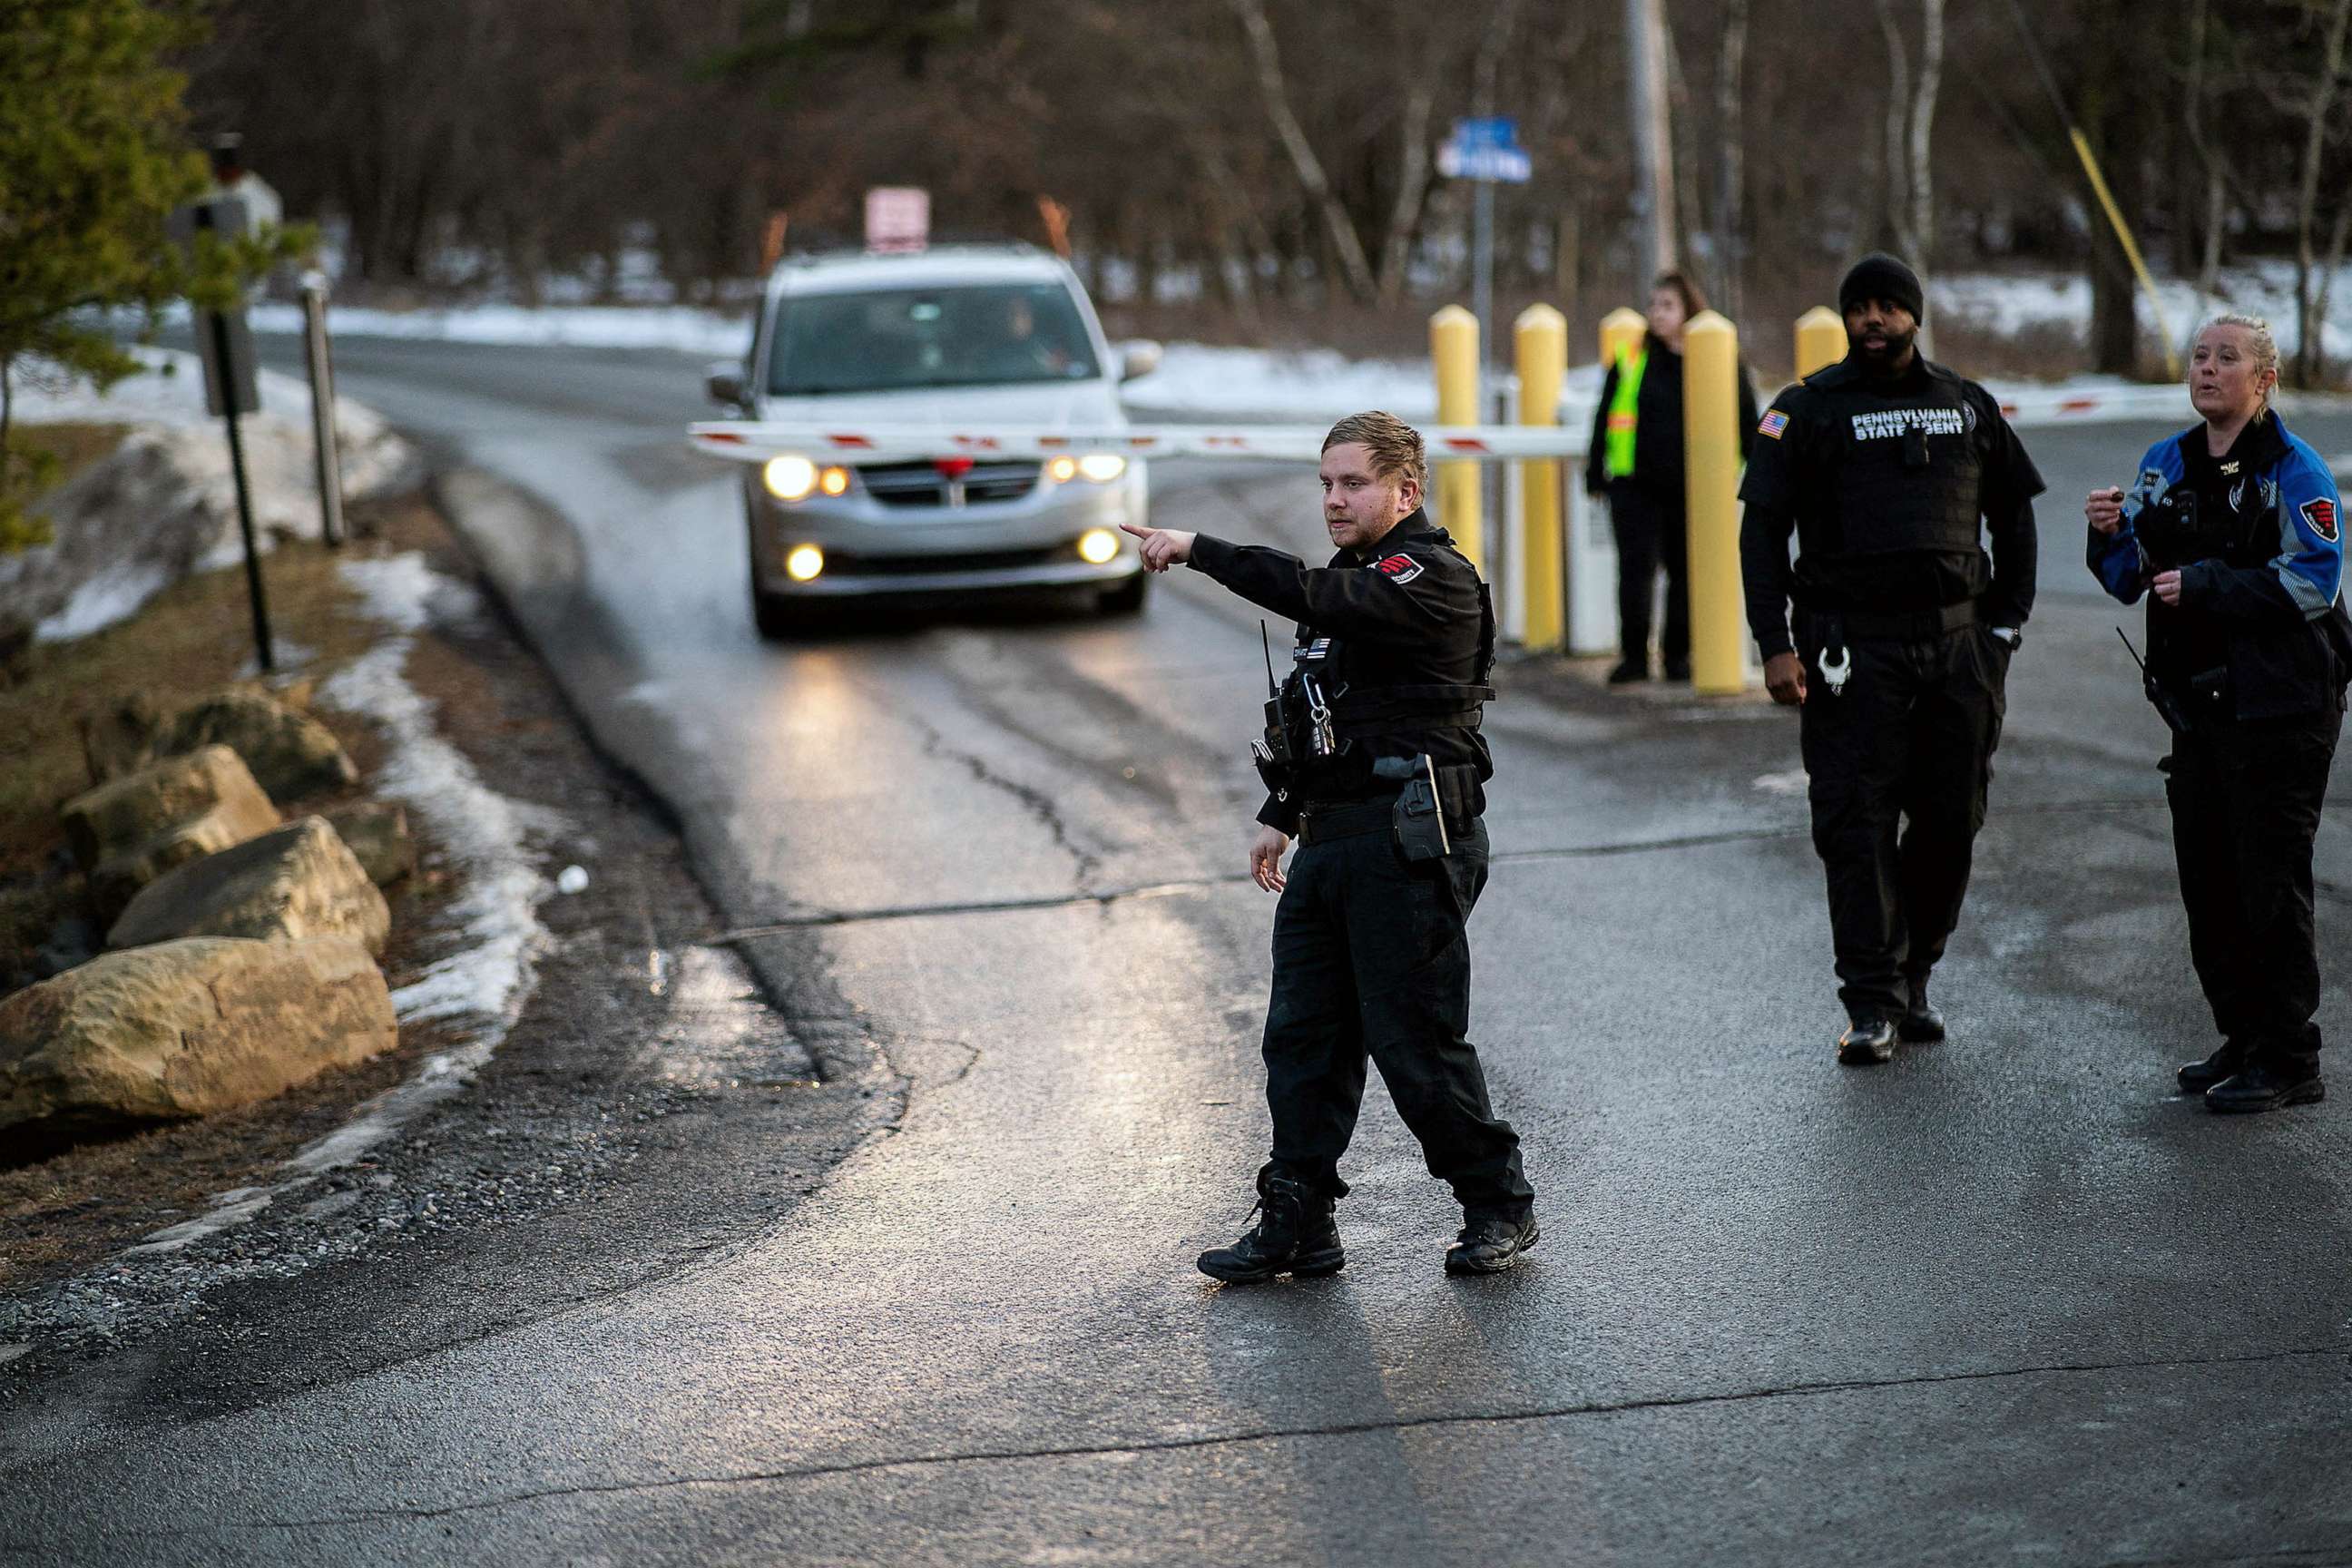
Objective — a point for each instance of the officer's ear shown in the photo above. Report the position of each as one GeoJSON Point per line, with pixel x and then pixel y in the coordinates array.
{"type": "Point", "coordinates": [1409, 491]}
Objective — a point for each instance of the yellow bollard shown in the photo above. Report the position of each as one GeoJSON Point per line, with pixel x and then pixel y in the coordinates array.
{"type": "Point", "coordinates": [1453, 349]}
{"type": "Point", "coordinates": [1711, 431]}
{"type": "Point", "coordinates": [1821, 340]}
{"type": "Point", "coordinates": [1619, 329]}
{"type": "Point", "coordinates": [1541, 347]}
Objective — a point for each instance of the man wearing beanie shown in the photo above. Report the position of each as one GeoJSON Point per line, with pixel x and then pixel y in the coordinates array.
{"type": "Point", "coordinates": [1891, 634]}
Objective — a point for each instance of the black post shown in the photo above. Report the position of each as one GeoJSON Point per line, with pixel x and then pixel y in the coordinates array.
{"type": "Point", "coordinates": [244, 497]}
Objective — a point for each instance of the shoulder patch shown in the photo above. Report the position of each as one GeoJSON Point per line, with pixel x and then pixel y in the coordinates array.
{"type": "Point", "coordinates": [2319, 516]}
{"type": "Point", "coordinates": [1397, 568]}
{"type": "Point", "coordinates": [1775, 423]}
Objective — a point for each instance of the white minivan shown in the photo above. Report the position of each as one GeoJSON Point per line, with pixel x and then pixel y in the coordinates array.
{"type": "Point", "coordinates": [969, 336]}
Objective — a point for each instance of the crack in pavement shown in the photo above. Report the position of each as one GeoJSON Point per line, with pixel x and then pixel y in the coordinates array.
{"type": "Point", "coordinates": [1232, 1439]}
{"type": "Point", "coordinates": [1105, 896]}
{"type": "Point", "coordinates": [1035, 802]}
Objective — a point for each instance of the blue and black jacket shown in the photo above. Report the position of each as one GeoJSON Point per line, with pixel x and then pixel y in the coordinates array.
{"type": "Point", "coordinates": [2260, 628]}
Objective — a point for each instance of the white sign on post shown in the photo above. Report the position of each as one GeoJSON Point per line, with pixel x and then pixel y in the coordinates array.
{"type": "Point", "coordinates": [897, 219]}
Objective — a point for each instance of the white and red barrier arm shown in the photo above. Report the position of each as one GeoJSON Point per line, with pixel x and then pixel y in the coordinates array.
{"type": "Point", "coordinates": [749, 441]}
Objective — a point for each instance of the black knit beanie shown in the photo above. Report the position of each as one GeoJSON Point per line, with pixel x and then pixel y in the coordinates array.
{"type": "Point", "coordinates": [1879, 276]}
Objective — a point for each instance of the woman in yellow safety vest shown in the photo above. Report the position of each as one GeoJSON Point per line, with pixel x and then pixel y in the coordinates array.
{"type": "Point", "coordinates": [1637, 463]}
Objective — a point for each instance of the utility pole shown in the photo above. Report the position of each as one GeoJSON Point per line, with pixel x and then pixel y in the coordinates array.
{"type": "Point", "coordinates": [1654, 154]}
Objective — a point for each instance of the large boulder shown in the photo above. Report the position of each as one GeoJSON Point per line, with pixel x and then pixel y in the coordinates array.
{"type": "Point", "coordinates": [377, 832]}
{"type": "Point", "coordinates": [296, 881]}
{"type": "Point", "coordinates": [129, 832]}
{"type": "Point", "coordinates": [181, 1030]}
{"type": "Point", "coordinates": [291, 754]}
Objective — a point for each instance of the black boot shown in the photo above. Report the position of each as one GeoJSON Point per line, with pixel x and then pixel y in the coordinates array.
{"type": "Point", "coordinates": [2196, 1077]}
{"type": "Point", "coordinates": [1630, 670]}
{"type": "Point", "coordinates": [1922, 1023]}
{"type": "Point", "coordinates": [2269, 1083]}
{"type": "Point", "coordinates": [1490, 1246]}
{"type": "Point", "coordinates": [1866, 1042]}
{"type": "Point", "coordinates": [1295, 1234]}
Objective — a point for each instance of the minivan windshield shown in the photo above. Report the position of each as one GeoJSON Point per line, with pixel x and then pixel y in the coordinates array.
{"type": "Point", "coordinates": [884, 339]}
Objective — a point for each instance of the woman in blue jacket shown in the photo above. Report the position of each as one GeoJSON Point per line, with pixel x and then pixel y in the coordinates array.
{"type": "Point", "coordinates": [2234, 531]}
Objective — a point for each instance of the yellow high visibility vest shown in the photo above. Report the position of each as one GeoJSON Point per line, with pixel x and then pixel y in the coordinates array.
{"type": "Point", "coordinates": [1617, 456]}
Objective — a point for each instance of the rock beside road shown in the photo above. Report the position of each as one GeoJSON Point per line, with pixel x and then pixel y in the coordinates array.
{"type": "Point", "coordinates": [290, 754]}
{"type": "Point", "coordinates": [293, 882]}
{"type": "Point", "coordinates": [181, 1030]}
{"type": "Point", "coordinates": [377, 832]}
{"type": "Point", "coordinates": [127, 833]}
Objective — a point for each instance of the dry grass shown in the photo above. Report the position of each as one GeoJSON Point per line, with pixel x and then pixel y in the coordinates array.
{"type": "Point", "coordinates": [70, 1210]}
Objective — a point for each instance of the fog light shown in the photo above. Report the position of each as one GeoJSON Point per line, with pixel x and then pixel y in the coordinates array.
{"type": "Point", "coordinates": [804, 562]}
{"type": "Point", "coordinates": [1102, 467]}
{"type": "Point", "coordinates": [1098, 545]}
{"type": "Point", "coordinates": [789, 478]}
{"type": "Point", "coordinates": [1062, 470]}
{"type": "Point", "coordinates": [833, 481]}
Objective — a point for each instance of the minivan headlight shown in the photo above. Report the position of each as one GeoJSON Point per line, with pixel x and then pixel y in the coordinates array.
{"type": "Point", "coordinates": [788, 478]}
{"type": "Point", "coordinates": [1102, 467]}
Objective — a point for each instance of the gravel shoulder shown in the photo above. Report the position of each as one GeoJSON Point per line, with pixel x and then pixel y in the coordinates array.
{"type": "Point", "coordinates": [648, 1110]}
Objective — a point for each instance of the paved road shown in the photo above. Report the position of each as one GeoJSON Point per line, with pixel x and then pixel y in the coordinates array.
{"type": "Point", "coordinates": [2006, 1298]}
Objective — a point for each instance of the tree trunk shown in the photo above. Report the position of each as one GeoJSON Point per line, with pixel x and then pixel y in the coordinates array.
{"type": "Point", "coordinates": [2115, 319]}
{"type": "Point", "coordinates": [1685, 155]}
{"type": "Point", "coordinates": [1731, 168]}
{"type": "Point", "coordinates": [1896, 160]}
{"type": "Point", "coordinates": [2336, 238]}
{"type": "Point", "coordinates": [1413, 189]}
{"type": "Point", "coordinates": [1345, 244]}
{"type": "Point", "coordinates": [1922, 135]}
{"type": "Point", "coordinates": [2308, 356]}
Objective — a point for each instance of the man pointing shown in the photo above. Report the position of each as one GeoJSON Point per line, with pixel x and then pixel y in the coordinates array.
{"type": "Point", "coordinates": [1374, 763]}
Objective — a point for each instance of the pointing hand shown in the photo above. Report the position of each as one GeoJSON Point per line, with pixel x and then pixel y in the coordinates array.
{"type": "Point", "coordinates": [1162, 547]}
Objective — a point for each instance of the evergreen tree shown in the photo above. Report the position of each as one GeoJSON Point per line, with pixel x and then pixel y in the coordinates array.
{"type": "Point", "coordinates": [94, 155]}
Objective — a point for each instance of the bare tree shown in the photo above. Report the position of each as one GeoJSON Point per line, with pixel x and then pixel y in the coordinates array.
{"type": "Point", "coordinates": [1337, 225]}
{"type": "Point", "coordinates": [2310, 293]}
{"type": "Point", "coordinates": [1731, 170]}
{"type": "Point", "coordinates": [2209, 264]}
{"type": "Point", "coordinates": [1909, 131]}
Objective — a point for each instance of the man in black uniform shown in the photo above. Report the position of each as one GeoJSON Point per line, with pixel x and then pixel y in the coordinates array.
{"type": "Point", "coordinates": [1884, 464]}
{"type": "Point", "coordinates": [1374, 763]}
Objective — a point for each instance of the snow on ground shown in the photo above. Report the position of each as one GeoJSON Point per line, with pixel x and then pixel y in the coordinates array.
{"type": "Point", "coordinates": [162, 504]}
{"type": "Point", "coordinates": [2011, 304]}
{"type": "Point", "coordinates": [486, 976]}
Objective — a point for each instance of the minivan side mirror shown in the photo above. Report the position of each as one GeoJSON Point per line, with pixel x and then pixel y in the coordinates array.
{"type": "Point", "coordinates": [725, 384]}
{"type": "Point", "coordinates": [1140, 358]}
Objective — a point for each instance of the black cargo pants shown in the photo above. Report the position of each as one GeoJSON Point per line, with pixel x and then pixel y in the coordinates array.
{"type": "Point", "coordinates": [1371, 959]}
{"type": "Point", "coordinates": [2245, 801]}
{"type": "Point", "coordinates": [1898, 765]}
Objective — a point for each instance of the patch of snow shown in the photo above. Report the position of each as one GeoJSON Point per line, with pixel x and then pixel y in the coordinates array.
{"type": "Point", "coordinates": [716, 334]}
{"type": "Point", "coordinates": [2010, 304]}
{"type": "Point", "coordinates": [114, 594]}
{"type": "Point", "coordinates": [488, 975]}
{"type": "Point", "coordinates": [162, 504]}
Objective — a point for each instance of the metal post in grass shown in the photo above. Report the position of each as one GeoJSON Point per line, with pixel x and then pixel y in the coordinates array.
{"type": "Point", "coordinates": [231, 389]}
{"type": "Point", "coordinates": [322, 409]}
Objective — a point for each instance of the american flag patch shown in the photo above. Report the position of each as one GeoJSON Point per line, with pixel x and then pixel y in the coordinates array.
{"type": "Point", "coordinates": [1775, 423]}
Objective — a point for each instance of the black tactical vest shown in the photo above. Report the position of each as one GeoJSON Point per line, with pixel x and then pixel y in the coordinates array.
{"type": "Point", "coordinates": [1360, 713]}
{"type": "Point", "coordinates": [1903, 473]}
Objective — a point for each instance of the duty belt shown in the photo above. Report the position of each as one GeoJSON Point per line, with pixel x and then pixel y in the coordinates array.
{"type": "Point", "coordinates": [1911, 625]}
{"type": "Point", "coordinates": [1346, 821]}
{"type": "Point", "coordinates": [1458, 792]}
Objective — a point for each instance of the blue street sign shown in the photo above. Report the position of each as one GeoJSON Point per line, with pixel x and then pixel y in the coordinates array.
{"type": "Point", "coordinates": [1486, 149]}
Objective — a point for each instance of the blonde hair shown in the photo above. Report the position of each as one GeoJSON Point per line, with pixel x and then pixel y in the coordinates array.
{"type": "Point", "coordinates": [2265, 347]}
{"type": "Point", "coordinates": [1395, 446]}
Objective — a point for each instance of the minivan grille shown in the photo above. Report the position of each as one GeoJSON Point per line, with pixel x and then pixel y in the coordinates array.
{"type": "Point", "coordinates": [921, 484]}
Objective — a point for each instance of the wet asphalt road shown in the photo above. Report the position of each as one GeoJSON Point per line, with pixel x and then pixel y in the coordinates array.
{"type": "Point", "coordinates": [2004, 1298]}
